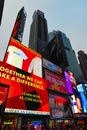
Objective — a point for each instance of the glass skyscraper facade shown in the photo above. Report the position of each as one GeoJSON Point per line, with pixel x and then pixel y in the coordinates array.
{"type": "Point", "coordinates": [38, 32]}
{"type": "Point", "coordinates": [82, 56]}
{"type": "Point", "coordinates": [73, 65]}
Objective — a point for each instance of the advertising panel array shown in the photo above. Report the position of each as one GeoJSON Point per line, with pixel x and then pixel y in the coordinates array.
{"type": "Point", "coordinates": [24, 58]}
{"type": "Point", "coordinates": [55, 82]}
{"type": "Point", "coordinates": [59, 107]}
{"type": "Point", "coordinates": [27, 93]}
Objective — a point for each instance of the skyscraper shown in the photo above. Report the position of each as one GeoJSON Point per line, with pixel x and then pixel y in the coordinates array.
{"type": "Point", "coordinates": [72, 65]}
{"type": "Point", "coordinates": [1, 9]}
{"type": "Point", "coordinates": [55, 51]}
{"type": "Point", "coordinates": [17, 32]}
{"type": "Point", "coordinates": [18, 29]}
{"type": "Point", "coordinates": [39, 32]}
{"type": "Point", "coordinates": [82, 56]}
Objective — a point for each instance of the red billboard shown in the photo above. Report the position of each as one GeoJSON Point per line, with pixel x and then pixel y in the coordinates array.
{"type": "Point", "coordinates": [23, 58]}
{"type": "Point", "coordinates": [59, 106]}
{"type": "Point", "coordinates": [27, 93]}
{"type": "Point", "coordinates": [55, 82]}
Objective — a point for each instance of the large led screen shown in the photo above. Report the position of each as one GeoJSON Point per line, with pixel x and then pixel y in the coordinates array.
{"type": "Point", "coordinates": [52, 67]}
{"type": "Point", "coordinates": [72, 79]}
{"type": "Point", "coordinates": [68, 83]}
{"type": "Point", "coordinates": [59, 107]}
{"type": "Point", "coordinates": [27, 93]}
{"type": "Point", "coordinates": [55, 82]}
{"type": "Point", "coordinates": [79, 105]}
{"type": "Point", "coordinates": [23, 58]}
{"type": "Point", "coordinates": [74, 104]}
{"type": "Point", "coordinates": [83, 96]}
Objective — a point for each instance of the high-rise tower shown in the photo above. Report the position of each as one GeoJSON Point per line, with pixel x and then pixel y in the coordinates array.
{"type": "Point", "coordinates": [39, 32]}
{"type": "Point", "coordinates": [72, 65]}
{"type": "Point", "coordinates": [82, 56]}
{"type": "Point", "coordinates": [18, 29]}
{"type": "Point", "coordinates": [1, 9]}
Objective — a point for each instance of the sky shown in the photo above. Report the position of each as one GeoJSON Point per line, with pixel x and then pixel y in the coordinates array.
{"type": "Point", "coordinates": [68, 16]}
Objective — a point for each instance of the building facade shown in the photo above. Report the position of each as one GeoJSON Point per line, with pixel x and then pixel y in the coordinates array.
{"type": "Point", "coordinates": [38, 32]}
{"type": "Point", "coordinates": [1, 9]}
{"type": "Point", "coordinates": [72, 65]}
{"type": "Point", "coordinates": [82, 56]}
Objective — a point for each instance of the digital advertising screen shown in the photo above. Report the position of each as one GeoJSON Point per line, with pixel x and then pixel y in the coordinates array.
{"type": "Point", "coordinates": [74, 104]}
{"type": "Point", "coordinates": [49, 65]}
{"type": "Point", "coordinates": [37, 125]}
{"type": "Point", "coordinates": [72, 79]}
{"type": "Point", "coordinates": [83, 96]}
{"type": "Point", "coordinates": [27, 92]}
{"type": "Point", "coordinates": [23, 58]}
{"type": "Point", "coordinates": [79, 104]}
{"type": "Point", "coordinates": [68, 83]}
{"type": "Point", "coordinates": [59, 107]}
{"type": "Point", "coordinates": [55, 82]}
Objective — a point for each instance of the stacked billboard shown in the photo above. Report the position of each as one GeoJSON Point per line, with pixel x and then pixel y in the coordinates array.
{"type": "Point", "coordinates": [58, 90]}
{"type": "Point", "coordinates": [22, 71]}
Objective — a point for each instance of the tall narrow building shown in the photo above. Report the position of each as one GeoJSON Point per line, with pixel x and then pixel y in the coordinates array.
{"type": "Point", "coordinates": [18, 29]}
{"type": "Point", "coordinates": [72, 63]}
{"type": "Point", "coordinates": [38, 32]}
{"type": "Point", "coordinates": [1, 9]}
{"type": "Point", "coordinates": [82, 56]}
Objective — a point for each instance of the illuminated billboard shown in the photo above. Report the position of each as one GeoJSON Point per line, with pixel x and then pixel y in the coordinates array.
{"type": "Point", "coordinates": [55, 82]}
{"type": "Point", "coordinates": [68, 83]}
{"type": "Point", "coordinates": [74, 104]}
{"type": "Point", "coordinates": [59, 107]}
{"type": "Point", "coordinates": [83, 96]}
{"type": "Point", "coordinates": [52, 67]}
{"type": "Point", "coordinates": [27, 93]}
{"type": "Point", "coordinates": [23, 58]}
{"type": "Point", "coordinates": [72, 79]}
{"type": "Point", "coordinates": [79, 105]}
